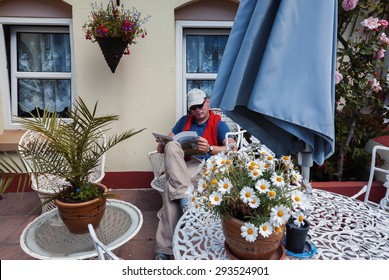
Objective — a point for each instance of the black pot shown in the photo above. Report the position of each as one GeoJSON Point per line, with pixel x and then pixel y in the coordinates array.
{"type": "Point", "coordinates": [112, 49]}
{"type": "Point", "coordinates": [296, 236]}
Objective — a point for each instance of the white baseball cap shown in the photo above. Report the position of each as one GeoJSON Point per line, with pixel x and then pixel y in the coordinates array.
{"type": "Point", "coordinates": [196, 97]}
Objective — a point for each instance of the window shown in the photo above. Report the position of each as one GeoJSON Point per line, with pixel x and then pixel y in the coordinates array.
{"type": "Point", "coordinates": [199, 56]}
{"type": "Point", "coordinates": [36, 67]}
{"type": "Point", "coordinates": [40, 70]}
{"type": "Point", "coordinates": [203, 52]}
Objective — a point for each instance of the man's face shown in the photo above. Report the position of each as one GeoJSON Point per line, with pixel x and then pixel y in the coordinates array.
{"type": "Point", "coordinates": [200, 111]}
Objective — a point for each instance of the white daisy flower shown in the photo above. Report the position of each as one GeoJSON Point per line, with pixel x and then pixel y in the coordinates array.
{"type": "Point", "coordinates": [220, 159]}
{"type": "Point", "coordinates": [254, 202]}
{"type": "Point", "coordinates": [277, 180]}
{"type": "Point", "coordinates": [254, 174]}
{"type": "Point", "coordinates": [286, 159]}
{"type": "Point", "coordinates": [246, 194]}
{"type": "Point", "coordinates": [266, 229]}
{"type": "Point", "coordinates": [296, 177]}
{"type": "Point", "coordinates": [279, 215]}
{"type": "Point", "coordinates": [225, 185]}
{"type": "Point", "coordinates": [269, 158]}
{"type": "Point", "coordinates": [262, 186]}
{"type": "Point", "coordinates": [298, 199]}
{"type": "Point", "coordinates": [249, 232]}
{"type": "Point", "coordinates": [215, 198]}
{"type": "Point", "coordinates": [201, 185]}
{"type": "Point", "coordinates": [272, 194]}
{"type": "Point", "coordinates": [199, 170]}
{"type": "Point", "coordinates": [264, 151]}
{"type": "Point", "coordinates": [298, 219]}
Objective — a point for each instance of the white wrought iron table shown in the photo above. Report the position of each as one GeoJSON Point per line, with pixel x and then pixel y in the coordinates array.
{"type": "Point", "coordinates": [48, 238]}
{"type": "Point", "coordinates": [341, 228]}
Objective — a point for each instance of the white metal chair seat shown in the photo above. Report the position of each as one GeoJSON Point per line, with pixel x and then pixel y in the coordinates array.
{"type": "Point", "coordinates": [384, 202]}
{"type": "Point", "coordinates": [46, 184]}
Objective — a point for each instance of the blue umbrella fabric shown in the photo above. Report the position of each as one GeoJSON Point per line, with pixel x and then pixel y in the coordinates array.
{"type": "Point", "coordinates": [276, 77]}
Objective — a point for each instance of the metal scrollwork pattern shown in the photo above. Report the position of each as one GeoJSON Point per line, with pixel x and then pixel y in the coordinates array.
{"type": "Point", "coordinates": [341, 228]}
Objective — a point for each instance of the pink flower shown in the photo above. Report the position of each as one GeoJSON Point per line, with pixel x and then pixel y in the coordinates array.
{"type": "Point", "coordinates": [338, 77]}
{"type": "Point", "coordinates": [370, 23]}
{"type": "Point", "coordinates": [384, 23]}
{"type": "Point", "coordinates": [384, 38]}
{"type": "Point", "coordinates": [380, 54]}
{"type": "Point", "coordinates": [349, 5]}
{"type": "Point", "coordinates": [375, 85]}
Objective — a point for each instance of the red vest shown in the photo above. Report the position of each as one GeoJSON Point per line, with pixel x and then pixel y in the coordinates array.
{"type": "Point", "coordinates": [210, 132]}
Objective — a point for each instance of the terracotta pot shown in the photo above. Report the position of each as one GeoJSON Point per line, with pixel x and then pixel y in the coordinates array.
{"type": "Point", "coordinates": [296, 236]}
{"type": "Point", "coordinates": [264, 248]}
{"type": "Point", "coordinates": [77, 216]}
{"type": "Point", "coordinates": [112, 49]}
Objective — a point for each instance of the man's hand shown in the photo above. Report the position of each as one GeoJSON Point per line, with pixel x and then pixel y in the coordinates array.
{"type": "Point", "coordinates": [161, 148]}
{"type": "Point", "coordinates": [203, 144]}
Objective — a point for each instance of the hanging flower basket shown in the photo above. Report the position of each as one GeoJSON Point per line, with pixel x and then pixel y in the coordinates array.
{"type": "Point", "coordinates": [112, 49]}
{"type": "Point", "coordinates": [114, 28]}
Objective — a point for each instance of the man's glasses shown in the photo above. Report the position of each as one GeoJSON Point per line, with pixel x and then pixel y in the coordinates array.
{"type": "Point", "coordinates": [194, 107]}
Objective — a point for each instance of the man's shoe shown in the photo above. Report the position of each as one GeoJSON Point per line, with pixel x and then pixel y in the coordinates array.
{"type": "Point", "coordinates": [162, 257]}
{"type": "Point", "coordinates": [184, 203]}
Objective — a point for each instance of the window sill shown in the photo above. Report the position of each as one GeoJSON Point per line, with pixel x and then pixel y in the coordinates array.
{"type": "Point", "coordinates": [9, 140]}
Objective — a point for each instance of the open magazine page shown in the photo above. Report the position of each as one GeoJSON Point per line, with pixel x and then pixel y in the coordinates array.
{"type": "Point", "coordinates": [187, 139]}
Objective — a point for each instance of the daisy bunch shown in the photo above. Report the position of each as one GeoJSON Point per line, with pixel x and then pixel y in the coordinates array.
{"type": "Point", "coordinates": [254, 186]}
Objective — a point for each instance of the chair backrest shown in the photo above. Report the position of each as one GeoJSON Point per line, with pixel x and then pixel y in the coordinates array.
{"type": "Point", "coordinates": [236, 131]}
{"type": "Point", "coordinates": [47, 183]}
{"type": "Point", "coordinates": [103, 253]}
{"type": "Point", "coordinates": [373, 171]}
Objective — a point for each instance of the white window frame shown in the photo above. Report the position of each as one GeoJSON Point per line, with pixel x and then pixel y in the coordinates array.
{"type": "Point", "coordinates": [5, 87]}
{"type": "Point", "coordinates": [181, 75]}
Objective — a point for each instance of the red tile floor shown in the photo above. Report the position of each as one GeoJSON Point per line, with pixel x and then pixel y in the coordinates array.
{"type": "Point", "coordinates": [15, 214]}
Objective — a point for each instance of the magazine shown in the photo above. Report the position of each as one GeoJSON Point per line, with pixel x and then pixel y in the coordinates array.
{"type": "Point", "coordinates": [187, 139]}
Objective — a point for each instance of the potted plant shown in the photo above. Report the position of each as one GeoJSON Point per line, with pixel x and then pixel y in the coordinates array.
{"type": "Point", "coordinates": [361, 91]}
{"type": "Point", "coordinates": [70, 149]}
{"type": "Point", "coordinates": [114, 29]}
{"type": "Point", "coordinates": [254, 194]}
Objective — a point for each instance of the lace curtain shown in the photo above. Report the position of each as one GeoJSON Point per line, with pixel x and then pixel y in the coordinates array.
{"type": "Point", "coordinates": [46, 53]}
{"type": "Point", "coordinates": [203, 56]}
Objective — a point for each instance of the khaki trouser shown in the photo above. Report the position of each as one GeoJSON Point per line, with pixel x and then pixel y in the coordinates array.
{"type": "Point", "coordinates": [178, 178]}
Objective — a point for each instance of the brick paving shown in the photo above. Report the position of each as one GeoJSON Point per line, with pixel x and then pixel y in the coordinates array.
{"type": "Point", "coordinates": [16, 213]}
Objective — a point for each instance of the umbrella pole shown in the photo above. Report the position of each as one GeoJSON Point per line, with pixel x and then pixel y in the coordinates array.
{"type": "Point", "coordinates": [305, 160]}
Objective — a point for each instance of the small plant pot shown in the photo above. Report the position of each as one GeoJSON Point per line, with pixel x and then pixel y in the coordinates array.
{"type": "Point", "coordinates": [296, 236]}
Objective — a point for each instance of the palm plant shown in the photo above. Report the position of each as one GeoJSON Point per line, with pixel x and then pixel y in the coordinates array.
{"type": "Point", "coordinates": [71, 148]}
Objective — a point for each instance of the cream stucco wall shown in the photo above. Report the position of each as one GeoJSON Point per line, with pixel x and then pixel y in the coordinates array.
{"type": "Point", "coordinates": [143, 88]}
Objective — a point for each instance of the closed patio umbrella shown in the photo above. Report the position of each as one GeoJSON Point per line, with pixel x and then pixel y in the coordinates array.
{"type": "Point", "coordinates": [276, 78]}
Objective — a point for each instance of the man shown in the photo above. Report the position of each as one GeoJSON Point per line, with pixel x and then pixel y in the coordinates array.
{"type": "Point", "coordinates": [178, 168]}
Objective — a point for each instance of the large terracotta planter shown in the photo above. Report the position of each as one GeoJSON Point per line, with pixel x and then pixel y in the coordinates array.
{"type": "Point", "coordinates": [112, 49]}
{"type": "Point", "coordinates": [264, 248]}
{"type": "Point", "coordinates": [77, 216]}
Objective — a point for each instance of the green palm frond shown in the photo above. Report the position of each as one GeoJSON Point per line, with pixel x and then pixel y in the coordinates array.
{"type": "Point", "coordinates": [70, 148]}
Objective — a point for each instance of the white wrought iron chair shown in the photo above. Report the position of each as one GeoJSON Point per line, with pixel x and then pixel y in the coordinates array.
{"type": "Point", "coordinates": [47, 185]}
{"type": "Point", "coordinates": [384, 202]}
{"type": "Point", "coordinates": [103, 253]}
{"type": "Point", "coordinates": [157, 159]}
